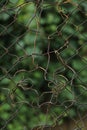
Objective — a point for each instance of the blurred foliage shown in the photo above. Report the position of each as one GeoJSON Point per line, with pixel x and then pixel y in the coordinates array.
{"type": "Point", "coordinates": [27, 30]}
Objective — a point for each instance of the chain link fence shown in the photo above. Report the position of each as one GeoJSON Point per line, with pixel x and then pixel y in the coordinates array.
{"type": "Point", "coordinates": [43, 65]}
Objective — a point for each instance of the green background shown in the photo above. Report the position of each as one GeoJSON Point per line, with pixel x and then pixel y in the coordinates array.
{"type": "Point", "coordinates": [37, 79]}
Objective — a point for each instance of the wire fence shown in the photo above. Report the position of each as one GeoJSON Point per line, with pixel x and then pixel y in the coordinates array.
{"type": "Point", "coordinates": [43, 65]}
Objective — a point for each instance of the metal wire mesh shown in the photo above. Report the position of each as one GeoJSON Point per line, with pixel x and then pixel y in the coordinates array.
{"type": "Point", "coordinates": [43, 64]}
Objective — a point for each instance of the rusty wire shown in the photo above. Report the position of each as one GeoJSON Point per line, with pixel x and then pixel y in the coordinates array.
{"type": "Point", "coordinates": [20, 79]}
